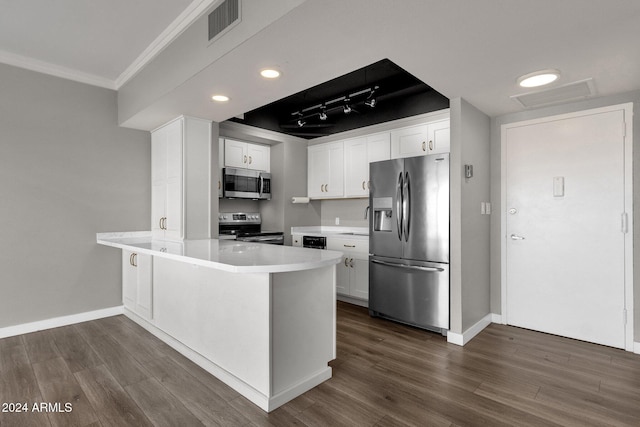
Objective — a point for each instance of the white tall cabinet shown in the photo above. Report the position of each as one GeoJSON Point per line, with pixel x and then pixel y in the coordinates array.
{"type": "Point", "coordinates": [180, 159]}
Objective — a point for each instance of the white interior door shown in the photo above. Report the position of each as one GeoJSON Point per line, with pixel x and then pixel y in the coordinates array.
{"type": "Point", "coordinates": [565, 245]}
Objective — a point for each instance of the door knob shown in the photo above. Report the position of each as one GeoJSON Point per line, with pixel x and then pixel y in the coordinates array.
{"type": "Point", "coordinates": [516, 237]}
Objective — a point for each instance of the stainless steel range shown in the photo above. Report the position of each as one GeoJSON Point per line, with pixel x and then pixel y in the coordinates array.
{"type": "Point", "coordinates": [246, 227]}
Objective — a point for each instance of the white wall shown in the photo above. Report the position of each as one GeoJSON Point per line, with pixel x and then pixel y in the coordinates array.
{"type": "Point", "coordinates": [470, 230]}
{"type": "Point", "coordinates": [67, 171]}
{"type": "Point", "coordinates": [496, 148]}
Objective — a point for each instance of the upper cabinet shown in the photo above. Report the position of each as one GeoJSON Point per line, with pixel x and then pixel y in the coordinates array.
{"type": "Point", "coordinates": [430, 138]}
{"type": "Point", "coordinates": [358, 153]}
{"type": "Point", "coordinates": [175, 213]}
{"type": "Point", "coordinates": [238, 154]}
{"type": "Point", "coordinates": [325, 165]}
{"type": "Point", "coordinates": [340, 169]}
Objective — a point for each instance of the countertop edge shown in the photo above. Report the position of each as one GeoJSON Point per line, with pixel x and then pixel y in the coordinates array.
{"type": "Point", "coordinates": [103, 239]}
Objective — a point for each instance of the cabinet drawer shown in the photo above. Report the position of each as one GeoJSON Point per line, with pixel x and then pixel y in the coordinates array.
{"type": "Point", "coordinates": [359, 246]}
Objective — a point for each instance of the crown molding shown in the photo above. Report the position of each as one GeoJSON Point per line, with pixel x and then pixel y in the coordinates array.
{"type": "Point", "coordinates": [55, 70]}
{"type": "Point", "coordinates": [194, 11]}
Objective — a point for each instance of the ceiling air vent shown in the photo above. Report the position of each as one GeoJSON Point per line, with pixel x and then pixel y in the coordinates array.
{"type": "Point", "coordinates": [223, 17]}
{"type": "Point", "coordinates": [569, 92]}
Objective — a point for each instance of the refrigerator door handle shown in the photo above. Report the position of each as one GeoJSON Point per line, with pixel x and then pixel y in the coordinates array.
{"type": "Point", "coordinates": [410, 267]}
{"type": "Point", "coordinates": [406, 207]}
{"type": "Point", "coordinates": [399, 205]}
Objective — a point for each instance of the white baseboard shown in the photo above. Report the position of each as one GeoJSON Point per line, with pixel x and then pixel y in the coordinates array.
{"type": "Point", "coordinates": [466, 336]}
{"type": "Point", "coordinates": [56, 322]}
{"type": "Point", "coordinates": [636, 347]}
{"type": "Point", "coordinates": [496, 318]}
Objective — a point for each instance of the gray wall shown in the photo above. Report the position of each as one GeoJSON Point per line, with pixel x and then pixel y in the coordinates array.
{"type": "Point", "coordinates": [350, 212]}
{"type": "Point", "coordinates": [67, 171]}
{"type": "Point", "coordinates": [470, 231]}
{"type": "Point", "coordinates": [496, 148]}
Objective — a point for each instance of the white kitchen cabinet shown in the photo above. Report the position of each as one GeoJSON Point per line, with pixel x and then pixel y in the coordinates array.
{"type": "Point", "coordinates": [430, 138]}
{"type": "Point", "coordinates": [220, 165]}
{"type": "Point", "coordinates": [358, 153]}
{"type": "Point", "coordinates": [180, 158]}
{"type": "Point", "coordinates": [238, 154]}
{"type": "Point", "coordinates": [325, 170]}
{"type": "Point", "coordinates": [352, 274]}
{"type": "Point", "coordinates": [137, 283]}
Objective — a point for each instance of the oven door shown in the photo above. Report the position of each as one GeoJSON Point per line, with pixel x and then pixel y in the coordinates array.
{"type": "Point", "coordinates": [272, 239]}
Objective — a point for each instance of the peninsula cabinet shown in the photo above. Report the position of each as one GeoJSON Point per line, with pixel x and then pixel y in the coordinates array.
{"type": "Point", "coordinates": [137, 283]}
{"type": "Point", "coordinates": [430, 138]}
{"type": "Point", "coordinates": [244, 155]}
{"type": "Point", "coordinates": [358, 153]}
{"type": "Point", "coordinates": [180, 159]}
{"type": "Point", "coordinates": [325, 170]}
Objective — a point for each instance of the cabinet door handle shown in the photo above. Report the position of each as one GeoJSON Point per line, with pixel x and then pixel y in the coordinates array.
{"type": "Point", "coordinates": [351, 263]}
{"type": "Point", "coordinates": [326, 188]}
{"type": "Point", "coordinates": [219, 185]}
{"type": "Point", "coordinates": [245, 159]}
{"type": "Point", "coordinates": [363, 183]}
{"type": "Point", "coordinates": [368, 185]}
{"type": "Point", "coordinates": [349, 246]}
{"type": "Point", "coordinates": [346, 260]}
{"type": "Point", "coordinates": [160, 223]}
{"type": "Point", "coordinates": [133, 259]}
{"type": "Point", "coordinates": [430, 145]}
{"type": "Point", "coordinates": [249, 159]}
{"type": "Point", "coordinates": [424, 146]}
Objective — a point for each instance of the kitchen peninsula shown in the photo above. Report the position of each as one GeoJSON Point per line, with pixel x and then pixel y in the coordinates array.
{"type": "Point", "coordinates": [259, 317]}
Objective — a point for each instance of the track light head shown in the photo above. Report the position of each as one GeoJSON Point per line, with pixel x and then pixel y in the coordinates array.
{"type": "Point", "coordinates": [371, 102]}
{"type": "Point", "coordinates": [347, 109]}
{"type": "Point", "coordinates": [323, 115]}
{"type": "Point", "coordinates": [301, 122]}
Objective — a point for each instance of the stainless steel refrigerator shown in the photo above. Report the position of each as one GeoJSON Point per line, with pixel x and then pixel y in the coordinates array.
{"type": "Point", "coordinates": [409, 241]}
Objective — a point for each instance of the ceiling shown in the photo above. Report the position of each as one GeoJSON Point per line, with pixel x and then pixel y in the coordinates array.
{"type": "Point", "coordinates": [472, 49]}
{"type": "Point", "coordinates": [377, 93]}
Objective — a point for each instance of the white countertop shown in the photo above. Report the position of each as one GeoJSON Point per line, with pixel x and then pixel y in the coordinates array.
{"type": "Point", "coordinates": [359, 233]}
{"type": "Point", "coordinates": [227, 255]}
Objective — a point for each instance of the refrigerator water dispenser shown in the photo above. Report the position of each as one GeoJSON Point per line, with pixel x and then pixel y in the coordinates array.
{"type": "Point", "coordinates": [382, 214]}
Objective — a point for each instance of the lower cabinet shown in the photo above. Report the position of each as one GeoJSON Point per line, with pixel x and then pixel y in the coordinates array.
{"type": "Point", "coordinates": [352, 274]}
{"type": "Point", "coordinates": [137, 283]}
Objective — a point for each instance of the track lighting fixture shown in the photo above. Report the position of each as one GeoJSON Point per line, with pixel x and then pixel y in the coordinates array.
{"type": "Point", "coordinates": [348, 103]}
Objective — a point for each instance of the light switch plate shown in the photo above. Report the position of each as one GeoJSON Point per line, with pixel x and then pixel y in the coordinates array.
{"type": "Point", "coordinates": [558, 186]}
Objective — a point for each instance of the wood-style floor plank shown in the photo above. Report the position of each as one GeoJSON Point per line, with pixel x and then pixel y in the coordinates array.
{"type": "Point", "coordinates": [385, 374]}
{"type": "Point", "coordinates": [59, 387]}
{"type": "Point", "coordinates": [160, 406]}
{"type": "Point", "coordinates": [112, 404]}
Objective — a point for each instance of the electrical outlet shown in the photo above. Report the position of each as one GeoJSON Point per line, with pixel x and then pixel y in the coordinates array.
{"type": "Point", "coordinates": [337, 221]}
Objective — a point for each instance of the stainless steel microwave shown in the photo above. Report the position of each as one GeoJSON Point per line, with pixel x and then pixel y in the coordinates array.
{"type": "Point", "coordinates": [246, 184]}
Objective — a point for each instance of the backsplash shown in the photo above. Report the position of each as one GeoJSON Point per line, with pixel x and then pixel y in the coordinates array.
{"type": "Point", "coordinates": [350, 211]}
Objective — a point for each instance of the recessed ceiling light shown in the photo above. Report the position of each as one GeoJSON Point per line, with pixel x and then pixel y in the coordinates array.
{"type": "Point", "coordinates": [220, 98]}
{"type": "Point", "coordinates": [538, 78]}
{"type": "Point", "coordinates": [270, 73]}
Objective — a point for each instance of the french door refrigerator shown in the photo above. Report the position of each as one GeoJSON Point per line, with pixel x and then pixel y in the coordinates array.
{"type": "Point", "coordinates": [409, 241]}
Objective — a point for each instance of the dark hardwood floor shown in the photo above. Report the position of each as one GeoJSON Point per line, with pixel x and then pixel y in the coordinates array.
{"type": "Point", "coordinates": [114, 373]}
